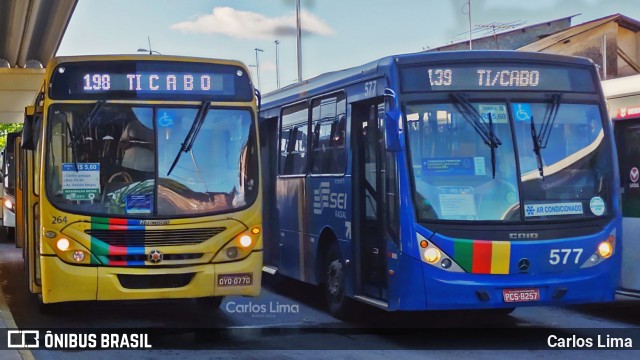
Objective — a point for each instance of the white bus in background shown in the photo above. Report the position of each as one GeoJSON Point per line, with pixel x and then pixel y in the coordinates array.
{"type": "Point", "coordinates": [9, 186]}
{"type": "Point", "coordinates": [623, 99]}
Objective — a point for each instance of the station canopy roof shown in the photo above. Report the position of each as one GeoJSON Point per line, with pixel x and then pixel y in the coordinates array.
{"type": "Point", "coordinates": [30, 34]}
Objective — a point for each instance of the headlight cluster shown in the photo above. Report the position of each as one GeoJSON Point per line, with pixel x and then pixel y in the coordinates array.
{"type": "Point", "coordinates": [604, 251]}
{"type": "Point", "coordinates": [68, 250]}
{"type": "Point", "coordinates": [240, 246]}
{"type": "Point", "coordinates": [432, 255]}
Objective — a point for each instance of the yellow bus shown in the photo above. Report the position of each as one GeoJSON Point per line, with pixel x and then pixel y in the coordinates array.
{"type": "Point", "coordinates": [139, 179]}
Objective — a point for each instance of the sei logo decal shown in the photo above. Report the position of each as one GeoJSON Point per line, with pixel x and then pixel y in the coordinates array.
{"type": "Point", "coordinates": [323, 198]}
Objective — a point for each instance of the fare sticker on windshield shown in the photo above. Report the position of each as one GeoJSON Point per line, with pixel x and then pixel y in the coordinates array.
{"type": "Point", "coordinates": [83, 184]}
{"type": "Point", "coordinates": [552, 209]}
{"type": "Point", "coordinates": [457, 202]}
{"type": "Point", "coordinates": [498, 113]}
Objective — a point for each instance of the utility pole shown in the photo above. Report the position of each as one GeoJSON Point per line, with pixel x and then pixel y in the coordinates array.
{"type": "Point", "coordinates": [469, 5]}
{"type": "Point", "coordinates": [258, 67]}
{"type": "Point", "coordinates": [299, 40]}
{"type": "Point", "coordinates": [277, 66]}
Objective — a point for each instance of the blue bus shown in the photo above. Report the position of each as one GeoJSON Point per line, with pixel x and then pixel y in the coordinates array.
{"type": "Point", "coordinates": [432, 181]}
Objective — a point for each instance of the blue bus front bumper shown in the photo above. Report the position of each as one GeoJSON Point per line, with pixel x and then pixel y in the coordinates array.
{"type": "Point", "coordinates": [443, 290]}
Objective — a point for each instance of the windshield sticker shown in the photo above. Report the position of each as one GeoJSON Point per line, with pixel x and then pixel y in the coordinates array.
{"type": "Point", "coordinates": [138, 203]}
{"type": "Point", "coordinates": [573, 208]}
{"type": "Point", "coordinates": [165, 119]}
{"type": "Point", "coordinates": [479, 166]}
{"type": "Point", "coordinates": [521, 112]}
{"type": "Point", "coordinates": [597, 205]}
{"type": "Point", "coordinates": [83, 184]}
{"type": "Point", "coordinates": [457, 203]}
{"type": "Point", "coordinates": [450, 166]}
{"type": "Point", "coordinates": [498, 113]}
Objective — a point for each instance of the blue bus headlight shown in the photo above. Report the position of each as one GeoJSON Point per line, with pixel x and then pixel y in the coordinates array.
{"type": "Point", "coordinates": [605, 249]}
{"type": "Point", "coordinates": [432, 255]}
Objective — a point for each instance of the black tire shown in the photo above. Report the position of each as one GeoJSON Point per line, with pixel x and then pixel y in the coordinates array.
{"type": "Point", "coordinates": [275, 281]}
{"type": "Point", "coordinates": [339, 304]}
{"type": "Point", "coordinates": [11, 233]}
{"type": "Point", "coordinates": [210, 303]}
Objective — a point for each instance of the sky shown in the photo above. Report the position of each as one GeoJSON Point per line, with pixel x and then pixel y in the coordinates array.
{"type": "Point", "coordinates": [337, 34]}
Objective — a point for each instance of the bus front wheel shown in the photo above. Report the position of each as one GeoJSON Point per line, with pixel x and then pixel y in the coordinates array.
{"type": "Point", "coordinates": [335, 284]}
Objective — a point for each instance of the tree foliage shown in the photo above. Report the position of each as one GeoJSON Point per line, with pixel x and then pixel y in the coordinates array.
{"type": "Point", "coordinates": [8, 128]}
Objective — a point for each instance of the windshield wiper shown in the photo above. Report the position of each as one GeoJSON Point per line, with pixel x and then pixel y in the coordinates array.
{"type": "Point", "coordinates": [187, 144]}
{"type": "Point", "coordinates": [540, 140]}
{"type": "Point", "coordinates": [75, 138]}
{"type": "Point", "coordinates": [73, 142]}
{"type": "Point", "coordinates": [485, 131]}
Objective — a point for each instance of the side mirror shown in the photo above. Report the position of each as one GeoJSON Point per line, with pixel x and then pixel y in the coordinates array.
{"type": "Point", "coordinates": [392, 130]}
{"type": "Point", "coordinates": [26, 139]}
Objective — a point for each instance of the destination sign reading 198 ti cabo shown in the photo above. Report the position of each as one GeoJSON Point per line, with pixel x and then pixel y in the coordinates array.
{"type": "Point", "coordinates": [150, 80]}
{"type": "Point", "coordinates": [172, 82]}
{"type": "Point", "coordinates": [496, 77]}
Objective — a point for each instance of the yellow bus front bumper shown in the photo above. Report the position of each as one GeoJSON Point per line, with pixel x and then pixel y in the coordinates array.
{"type": "Point", "coordinates": [63, 282]}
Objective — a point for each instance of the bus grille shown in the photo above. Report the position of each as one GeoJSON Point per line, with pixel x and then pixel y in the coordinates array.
{"type": "Point", "coordinates": [155, 237]}
{"type": "Point", "coordinates": [164, 281]}
{"type": "Point", "coordinates": [165, 257]}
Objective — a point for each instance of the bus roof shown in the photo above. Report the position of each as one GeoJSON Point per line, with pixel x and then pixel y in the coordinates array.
{"type": "Point", "coordinates": [138, 57]}
{"type": "Point", "coordinates": [381, 67]}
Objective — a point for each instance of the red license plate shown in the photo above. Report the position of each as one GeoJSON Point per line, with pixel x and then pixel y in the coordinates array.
{"type": "Point", "coordinates": [520, 295]}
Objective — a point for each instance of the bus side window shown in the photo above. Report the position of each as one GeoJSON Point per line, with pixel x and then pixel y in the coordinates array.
{"type": "Point", "coordinates": [338, 152]}
{"type": "Point", "coordinates": [293, 140]}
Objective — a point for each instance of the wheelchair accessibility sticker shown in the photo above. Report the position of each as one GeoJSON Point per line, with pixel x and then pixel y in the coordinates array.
{"type": "Point", "coordinates": [521, 112]}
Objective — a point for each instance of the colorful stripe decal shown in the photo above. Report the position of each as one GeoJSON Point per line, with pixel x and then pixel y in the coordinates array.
{"type": "Point", "coordinates": [501, 254]}
{"type": "Point", "coordinates": [483, 256]}
{"type": "Point", "coordinates": [103, 251]}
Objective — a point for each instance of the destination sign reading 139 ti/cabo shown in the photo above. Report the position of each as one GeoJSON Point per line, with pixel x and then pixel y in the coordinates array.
{"type": "Point", "coordinates": [496, 77]}
{"type": "Point", "coordinates": [150, 80]}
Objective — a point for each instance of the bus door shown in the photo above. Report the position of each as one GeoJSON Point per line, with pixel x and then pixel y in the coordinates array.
{"type": "Point", "coordinates": [369, 197]}
{"type": "Point", "coordinates": [627, 133]}
{"type": "Point", "coordinates": [29, 204]}
{"type": "Point", "coordinates": [270, 151]}
{"type": "Point", "coordinates": [18, 185]}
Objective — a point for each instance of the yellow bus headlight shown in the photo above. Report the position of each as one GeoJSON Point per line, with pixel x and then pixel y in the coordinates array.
{"type": "Point", "coordinates": [62, 244]}
{"type": "Point", "coordinates": [245, 241]}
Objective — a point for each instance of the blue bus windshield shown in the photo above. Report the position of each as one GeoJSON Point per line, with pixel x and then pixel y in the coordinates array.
{"type": "Point", "coordinates": [453, 168]}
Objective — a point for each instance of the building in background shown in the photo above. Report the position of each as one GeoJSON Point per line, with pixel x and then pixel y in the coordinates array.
{"type": "Point", "coordinates": [612, 42]}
